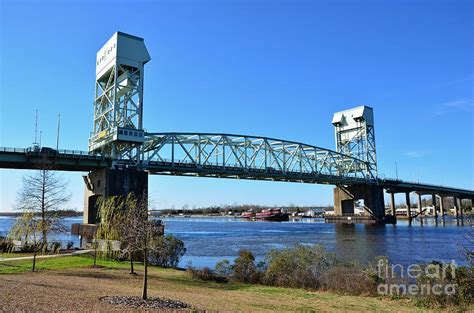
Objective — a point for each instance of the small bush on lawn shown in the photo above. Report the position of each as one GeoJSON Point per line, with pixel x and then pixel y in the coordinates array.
{"type": "Point", "coordinates": [224, 268]}
{"type": "Point", "coordinates": [244, 269]}
{"type": "Point", "coordinates": [348, 279]}
{"type": "Point", "coordinates": [6, 245]}
{"type": "Point", "coordinates": [298, 267]}
{"type": "Point", "coordinates": [69, 245]}
{"type": "Point", "coordinates": [205, 274]}
{"type": "Point", "coordinates": [459, 280]}
{"type": "Point", "coordinates": [167, 251]}
{"type": "Point", "coordinates": [55, 247]}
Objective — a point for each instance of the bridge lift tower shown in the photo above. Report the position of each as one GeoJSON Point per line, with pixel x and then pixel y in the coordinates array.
{"type": "Point", "coordinates": [355, 137]}
{"type": "Point", "coordinates": [118, 104]}
{"type": "Point", "coordinates": [118, 121]}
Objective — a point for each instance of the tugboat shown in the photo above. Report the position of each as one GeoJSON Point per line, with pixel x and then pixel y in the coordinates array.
{"type": "Point", "coordinates": [272, 215]}
{"type": "Point", "coordinates": [249, 214]}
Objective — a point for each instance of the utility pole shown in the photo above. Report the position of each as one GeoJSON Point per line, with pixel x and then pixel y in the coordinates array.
{"type": "Point", "coordinates": [35, 143]}
{"type": "Point", "coordinates": [41, 132]}
{"type": "Point", "coordinates": [396, 169]}
{"type": "Point", "coordinates": [36, 127]}
{"type": "Point", "coordinates": [57, 137]}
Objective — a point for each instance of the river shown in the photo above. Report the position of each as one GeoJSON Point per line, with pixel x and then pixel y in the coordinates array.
{"type": "Point", "coordinates": [209, 240]}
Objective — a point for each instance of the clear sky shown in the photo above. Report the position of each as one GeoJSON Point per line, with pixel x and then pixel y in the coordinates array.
{"type": "Point", "coordinates": [269, 68]}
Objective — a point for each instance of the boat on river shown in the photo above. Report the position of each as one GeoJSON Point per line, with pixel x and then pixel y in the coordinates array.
{"type": "Point", "coordinates": [272, 215]}
{"type": "Point", "coordinates": [249, 215]}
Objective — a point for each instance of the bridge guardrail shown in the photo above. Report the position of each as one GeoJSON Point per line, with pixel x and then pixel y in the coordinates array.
{"type": "Point", "coordinates": [401, 181]}
{"type": "Point", "coordinates": [59, 152]}
{"type": "Point", "coordinates": [9, 149]}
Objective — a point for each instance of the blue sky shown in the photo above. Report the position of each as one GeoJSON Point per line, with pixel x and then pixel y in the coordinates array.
{"type": "Point", "coordinates": [269, 68]}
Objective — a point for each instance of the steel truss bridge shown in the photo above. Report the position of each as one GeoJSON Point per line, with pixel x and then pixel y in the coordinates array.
{"type": "Point", "coordinates": [248, 157]}
{"type": "Point", "coordinates": [227, 156]}
{"type": "Point", "coordinates": [212, 155]}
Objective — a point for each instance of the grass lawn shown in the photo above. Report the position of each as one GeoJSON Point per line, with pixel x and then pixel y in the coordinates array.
{"type": "Point", "coordinates": [69, 283]}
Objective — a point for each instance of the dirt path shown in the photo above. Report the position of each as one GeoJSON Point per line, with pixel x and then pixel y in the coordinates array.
{"type": "Point", "coordinates": [45, 256]}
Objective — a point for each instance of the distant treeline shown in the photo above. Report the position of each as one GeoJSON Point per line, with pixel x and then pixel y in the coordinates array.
{"type": "Point", "coordinates": [218, 210]}
{"type": "Point", "coordinates": [60, 213]}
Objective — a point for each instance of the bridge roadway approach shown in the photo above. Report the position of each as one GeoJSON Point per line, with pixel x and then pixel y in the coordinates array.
{"type": "Point", "coordinates": [239, 157]}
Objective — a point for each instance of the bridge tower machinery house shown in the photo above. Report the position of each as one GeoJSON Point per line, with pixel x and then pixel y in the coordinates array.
{"type": "Point", "coordinates": [118, 121]}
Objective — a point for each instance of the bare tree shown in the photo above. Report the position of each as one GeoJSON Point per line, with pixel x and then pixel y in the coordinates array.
{"type": "Point", "coordinates": [139, 232]}
{"type": "Point", "coordinates": [125, 219]}
{"type": "Point", "coordinates": [43, 193]}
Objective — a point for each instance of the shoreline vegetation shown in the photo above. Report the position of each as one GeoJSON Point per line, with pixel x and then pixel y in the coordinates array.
{"type": "Point", "coordinates": [233, 209]}
{"type": "Point", "coordinates": [55, 287]}
{"type": "Point", "coordinates": [311, 267]}
{"type": "Point", "coordinates": [217, 211]}
{"type": "Point", "coordinates": [57, 213]}
{"type": "Point", "coordinates": [207, 211]}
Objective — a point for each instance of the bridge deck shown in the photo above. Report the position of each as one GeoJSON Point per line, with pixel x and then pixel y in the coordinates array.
{"type": "Point", "coordinates": [63, 160]}
{"type": "Point", "coordinates": [70, 160]}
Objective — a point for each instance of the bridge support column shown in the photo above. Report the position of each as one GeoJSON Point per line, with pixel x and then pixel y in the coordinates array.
{"type": "Point", "coordinates": [456, 206]}
{"type": "Point", "coordinates": [407, 201]}
{"type": "Point", "coordinates": [344, 197]}
{"type": "Point", "coordinates": [111, 182]}
{"type": "Point", "coordinates": [392, 204]}
{"type": "Point", "coordinates": [420, 206]}
{"type": "Point", "coordinates": [433, 200]}
{"type": "Point", "coordinates": [441, 206]}
{"type": "Point", "coordinates": [107, 183]}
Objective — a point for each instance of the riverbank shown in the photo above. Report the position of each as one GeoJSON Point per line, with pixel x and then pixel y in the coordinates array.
{"type": "Point", "coordinates": [70, 283]}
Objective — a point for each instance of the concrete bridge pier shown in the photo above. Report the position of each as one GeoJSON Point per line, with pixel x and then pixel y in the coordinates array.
{"type": "Point", "coordinates": [441, 206]}
{"type": "Point", "coordinates": [107, 183]}
{"type": "Point", "coordinates": [459, 210]}
{"type": "Point", "coordinates": [435, 208]}
{"type": "Point", "coordinates": [372, 195]}
{"type": "Point", "coordinates": [457, 205]}
{"type": "Point", "coordinates": [393, 210]}
{"type": "Point", "coordinates": [407, 201]}
{"type": "Point", "coordinates": [420, 205]}
{"type": "Point", "coordinates": [111, 182]}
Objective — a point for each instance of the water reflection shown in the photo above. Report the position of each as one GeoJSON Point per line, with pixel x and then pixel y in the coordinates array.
{"type": "Point", "coordinates": [358, 242]}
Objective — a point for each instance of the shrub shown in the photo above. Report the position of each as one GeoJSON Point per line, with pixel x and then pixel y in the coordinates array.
{"type": "Point", "coordinates": [55, 247]}
{"type": "Point", "coordinates": [6, 245]}
{"type": "Point", "coordinates": [223, 268]}
{"type": "Point", "coordinates": [167, 251]}
{"type": "Point", "coordinates": [348, 280]}
{"type": "Point", "coordinates": [205, 274]}
{"type": "Point", "coordinates": [298, 267]}
{"type": "Point", "coordinates": [244, 269]}
{"type": "Point", "coordinates": [69, 245]}
{"type": "Point", "coordinates": [27, 247]}
{"type": "Point", "coordinates": [462, 278]}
